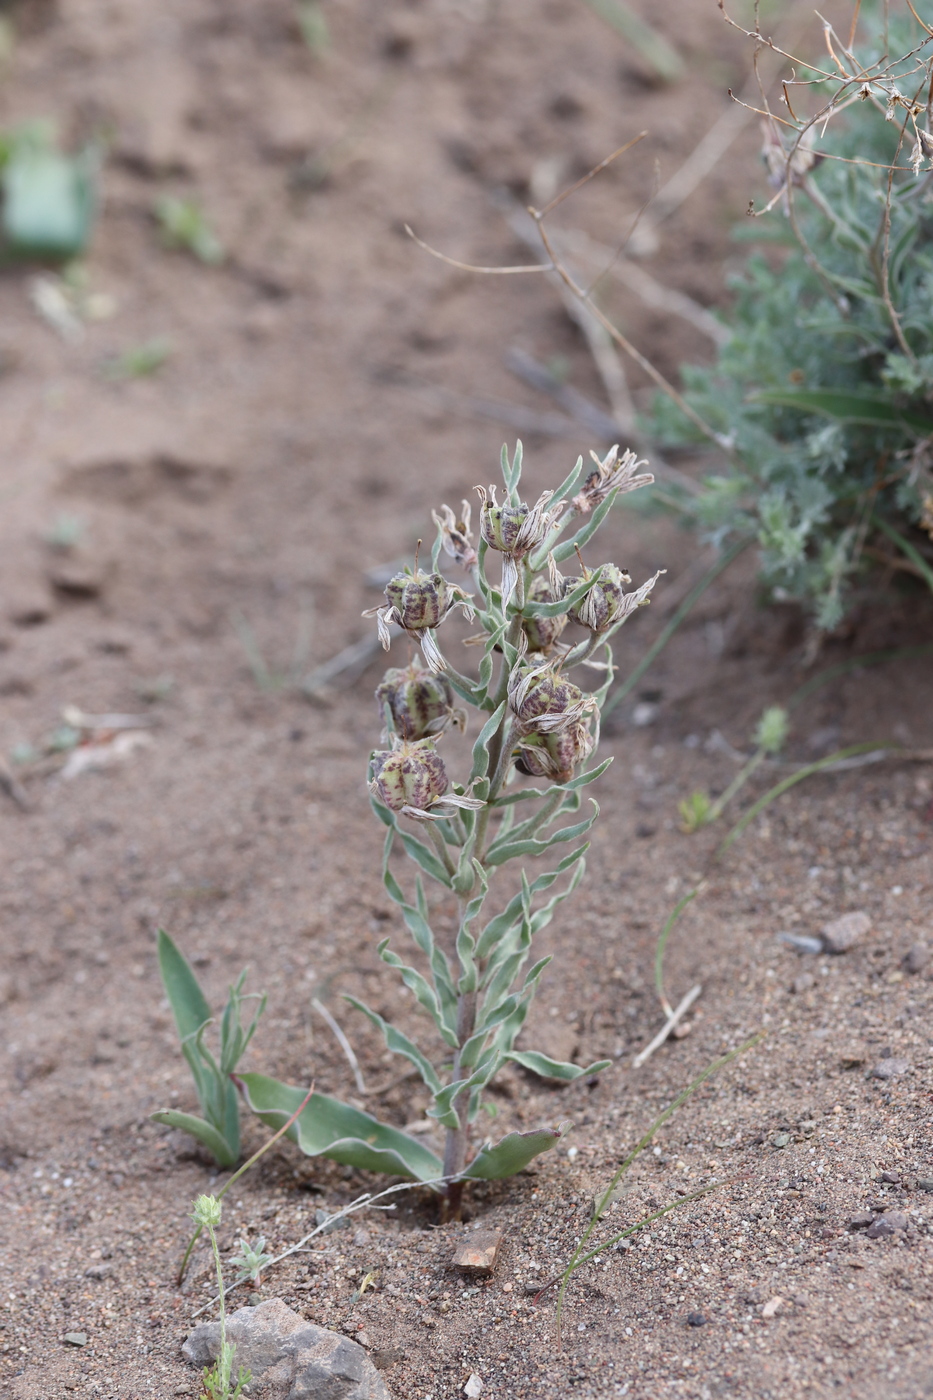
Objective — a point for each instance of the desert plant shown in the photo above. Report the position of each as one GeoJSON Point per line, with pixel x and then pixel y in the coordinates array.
{"type": "Point", "coordinates": [823, 392]}
{"type": "Point", "coordinates": [535, 722]}
{"type": "Point", "coordinates": [219, 1129]}
{"type": "Point", "coordinates": [217, 1380]}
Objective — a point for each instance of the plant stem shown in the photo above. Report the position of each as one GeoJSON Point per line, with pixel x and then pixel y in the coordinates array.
{"type": "Point", "coordinates": [455, 1147]}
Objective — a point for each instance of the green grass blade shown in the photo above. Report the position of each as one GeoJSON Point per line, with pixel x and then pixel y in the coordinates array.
{"type": "Point", "coordinates": [786, 783]}
{"type": "Point", "coordinates": [907, 549]}
{"type": "Point", "coordinates": [679, 908]}
{"type": "Point", "coordinates": [651, 46]}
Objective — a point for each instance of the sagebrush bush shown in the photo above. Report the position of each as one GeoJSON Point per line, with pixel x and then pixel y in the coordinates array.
{"type": "Point", "coordinates": [825, 389]}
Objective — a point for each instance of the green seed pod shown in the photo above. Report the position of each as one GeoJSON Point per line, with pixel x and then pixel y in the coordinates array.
{"type": "Point", "coordinates": [554, 756]}
{"type": "Point", "coordinates": [501, 526]}
{"type": "Point", "coordinates": [412, 775]}
{"type": "Point", "coordinates": [542, 632]}
{"type": "Point", "coordinates": [604, 602]}
{"type": "Point", "coordinates": [420, 702]}
{"type": "Point", "coordinates": [420, 600]}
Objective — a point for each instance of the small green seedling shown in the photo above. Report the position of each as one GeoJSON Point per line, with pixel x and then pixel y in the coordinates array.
{"type": "Point", "coordinates": [219, 1129]}
{"type": "Point", "coordinates": [770, 736]}
{"type": "Point", "coordinates": [313, 26]}
{"type": "Point", "coordinates": [140, 360]}
{"type": "Point", "coordinates": [184, 226]}
{"type": "Point", "coordinates": [251, 1260]}
{"type": "Point", "coordinates": [65, 532]}
{"type": "Point", "coordinates": [217, 1380]}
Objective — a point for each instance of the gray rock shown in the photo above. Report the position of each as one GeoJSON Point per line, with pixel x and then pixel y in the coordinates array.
{"type": "Point", "coordinates": [925, 1183]}
{"type": "Point", "coordinates": [890, 1068]}
{"type": "Point", "coordinates": [860, 1219]}
{"type": "Point", "coordinates": [917, 957]}
{"type": "Point", "coordinates": [843, 933]}
{"type": "Point", "coordinates": [290, 1359]}
{"type": "Point", "coordinates": [803, 983]}
{"type": "Point", "coordinates": [886, 1225]}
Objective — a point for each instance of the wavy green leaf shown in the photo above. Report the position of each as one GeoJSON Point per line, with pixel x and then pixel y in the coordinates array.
{"type": "Point", "coordinates": [329, 1128]}
{"type": "Point", "coordinates": [513, 1153]}
{"type": "Point", "coordinates": [202, 1131]}
{"type": "Point", "coordinates": [560, 1070]}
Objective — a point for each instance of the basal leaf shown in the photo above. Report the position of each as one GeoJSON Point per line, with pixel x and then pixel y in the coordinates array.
{"type": "Point", "coordinates": [329, 1128]}
{"type": "Point", "coordinates": [188, 1003]}
{"type": "Point", "coordinates": [202, 1131]}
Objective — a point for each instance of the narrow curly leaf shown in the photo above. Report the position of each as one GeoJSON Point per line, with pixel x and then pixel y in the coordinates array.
{"type": "Point", "coordinates": [424, 857]}
{"type": "Point", "coordinates": [481, 747]}
{"type": "Point", "coordinates": [582, 536]}
{"type": "Point", "coordinates": [497, 855]}
{"type": "Point", "coordinates": [329, 1128]}
{"type": "Point", "coordinates": [513, 1153]}
{"type": "Point", "coordinates": [559, 1070]}
{"type": "Point", "coordinates": [399, 1044]}
{"type": "Point", "coordinates": [417, 983]}
{"type": "Point", "coordinates": [200, 1130]}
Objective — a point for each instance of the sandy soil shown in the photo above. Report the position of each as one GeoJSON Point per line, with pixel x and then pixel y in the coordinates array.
{"type": "Point", "coordinates": [326, 387]}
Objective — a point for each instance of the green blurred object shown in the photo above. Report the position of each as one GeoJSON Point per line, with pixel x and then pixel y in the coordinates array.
{"type": "Point", "coordinates": [184, 226]}
{"type": "Point", "coordinates": [49, 198]}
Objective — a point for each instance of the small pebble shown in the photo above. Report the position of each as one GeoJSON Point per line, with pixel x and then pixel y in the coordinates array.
{"type": "Point", "coordinates": [890, 1068]}
{"type": "Point", "coordinates": [473, 1387]}
{"type": "Point", "coordinates": [781, 1140]}
{"type": "Point", "coordinates": [696, 1319]}
{"type": "Point", "coordinates": [860, 1219]}
{"type": "Point", "coordinates": [925, 1183]}
{"type": "Point", "coordinates": [75, 1339]}
{"type": "Point", "coordinates": [803, 983]}
{"type": "Point", "coordinates": [917, 958]}
{"type": "Point", "coordinates": [478, 1252]}
{"type": "Point", "coordinates": [843, 933]}
{"type": "Point", "coordinates": [771, 1306]}
{"type": "Point", "coordinates": [892, 1178]}
{"type": "Point", "coordinates": [886, 1225]}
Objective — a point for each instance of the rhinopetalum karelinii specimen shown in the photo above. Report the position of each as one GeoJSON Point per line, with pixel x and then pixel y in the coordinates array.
{"type": "Point", "coordinates": [538, 719]}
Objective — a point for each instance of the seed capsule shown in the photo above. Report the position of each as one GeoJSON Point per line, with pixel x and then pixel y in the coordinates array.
{"type": "Point", "coordinates": [542, 632]}
{"type": "Point", "coordinates": [410, 776]}
{"type": "Point", "coordinates": [542, 700]}
{"type": "Point", "coordinates": [600, 605]}
{"type": "Point", "coordinates": [554, 756]}
{"type": "Point", "coordinates": [420, 702]}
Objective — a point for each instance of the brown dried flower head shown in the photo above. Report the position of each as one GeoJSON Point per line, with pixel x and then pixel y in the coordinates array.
{"type": "Point", "coordinates": [514, 530]}
{"type": "Point", "coordinates": [456, 537]}
{"type": "Point", "coordinates": [419, 702]}
{"type": "Point", "coordinates": [542, 633]}
{"type": "Point", "coordinates": [613, 473]}
{"type": "Point", "coordinates": [418, 602]}
{"type": "Point", "coordinates": [554, 756]}
{"type": "Point", "coordinates": [545, 702]}
{"type": "Point", "coordinates": [410, 778]}
{"type": "Point", "coordinates": [606, 603]}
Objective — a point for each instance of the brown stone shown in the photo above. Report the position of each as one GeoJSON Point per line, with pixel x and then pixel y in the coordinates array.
{"type": "Point", "coordinates": [843, 933]}
{"type": "Point", "coordinates": [478, 1253]}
